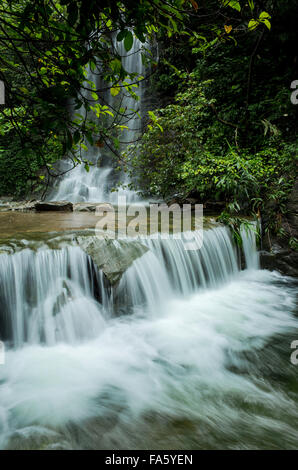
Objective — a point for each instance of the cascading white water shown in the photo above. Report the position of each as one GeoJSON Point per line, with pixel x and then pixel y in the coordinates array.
{"type": "Point", "coordinates": [250, 247]}
{"type": "Point", "coordinates": [95, 186]}
{"type": "Point", "coordinates": [179, 371]}
{"type": "Point", "coordinates": [169, 268]}
{"type": "Point", "coordinates": [49, 297]}
{"type": "Point", "coordinates": [45, 294]}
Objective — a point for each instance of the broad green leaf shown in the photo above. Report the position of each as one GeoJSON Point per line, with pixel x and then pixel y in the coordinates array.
{"type": "Point", "coordinates": [128, 41]}
{"type": "Point", "coordinates": [92, 66]}
{"type": "Point", "coordinates": [76, 136]}
{"type": "Point", "coordinates": [252, 24]}
{"type": "Point", "coordinates": [140, 35]}
{"type": "Point", "coordinates": [267, 23]}
{"type": "Point", "coordinates": [114, 91]}
{"type": "Point", "coordinates": [233, 4]}
{"type": "Point", "coordinates": [264, 15]}
{"type": "Point", "coordinates": [122, 35]}
{"type": "Point", "coordinates": [116, 65]}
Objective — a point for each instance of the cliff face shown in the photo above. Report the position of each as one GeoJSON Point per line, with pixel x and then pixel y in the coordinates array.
{"type": "Point", "coordinates": [276, 253]}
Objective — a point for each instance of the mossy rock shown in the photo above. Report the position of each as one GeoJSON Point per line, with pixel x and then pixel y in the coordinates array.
{"type": "Point", "coordinates": [113, 257]}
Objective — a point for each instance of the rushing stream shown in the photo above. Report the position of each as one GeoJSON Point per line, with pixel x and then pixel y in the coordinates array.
{"type": "Point", "coordinates": [198, 356]}
{"type": "Point", "coordinates": [187, 351]}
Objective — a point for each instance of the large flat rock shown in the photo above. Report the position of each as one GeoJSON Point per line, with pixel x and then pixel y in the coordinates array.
{"type": "Point", "coordinates": [60, 206]}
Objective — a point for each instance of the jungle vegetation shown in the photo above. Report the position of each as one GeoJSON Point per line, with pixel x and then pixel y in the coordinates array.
{"type": "Point", "coordinates": [222, 125]}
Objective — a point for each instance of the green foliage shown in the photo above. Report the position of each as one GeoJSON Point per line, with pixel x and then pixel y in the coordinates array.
{"type": "Point", "coordinates": [293, 243]}
{"type": "Point", "coordinates": [229, 127]}
{"type": "Point", "coordinates": [46, 47]}
{"type": "Point", "coordinates": [238, 224]}
{"type": "Point", "coordinates": [209, 141]}
{"type": "Point", "coordinates": [22, 171]}
{"type": "Point", "coordinates": [192, 155]}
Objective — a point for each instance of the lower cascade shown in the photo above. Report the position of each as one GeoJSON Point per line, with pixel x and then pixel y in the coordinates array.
{"type": "Point", "coordinates": [148, 227]}
{"type": "Point", "coordinates": [167, 352]}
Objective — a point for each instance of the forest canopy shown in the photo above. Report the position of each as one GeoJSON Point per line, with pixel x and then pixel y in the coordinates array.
{"type": "Point", "coordinates": [222, 125]}
{"type": "Point", "coordinates": [46, 47]}
{"type": "Point", "coordinates": [227, 128]}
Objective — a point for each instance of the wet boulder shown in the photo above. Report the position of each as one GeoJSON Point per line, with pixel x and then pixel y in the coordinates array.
{"type": "Point", "coordinates": [63, 206]}
{"type": "Point", "coordinates": [113, 257]}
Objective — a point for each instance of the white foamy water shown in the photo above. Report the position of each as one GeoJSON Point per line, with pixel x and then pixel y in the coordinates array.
{"type": "Point", "coordinates": [197, 363]}
{"type": "Point", "coordinates": [48, 297]}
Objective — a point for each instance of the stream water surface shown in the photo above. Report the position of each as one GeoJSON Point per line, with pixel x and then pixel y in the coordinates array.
{"type": "Point", "coordinates": [196, 357]}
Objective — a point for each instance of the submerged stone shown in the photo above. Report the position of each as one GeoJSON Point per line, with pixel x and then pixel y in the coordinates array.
{"type": "Point", "coordinates": [93, 207]}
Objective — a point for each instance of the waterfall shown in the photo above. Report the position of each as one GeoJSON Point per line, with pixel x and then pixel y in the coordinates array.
{"type": "Point", "coordinates": [176, 362]}
{"type": "Point", "coordinates": [54, 296]}
{"type": "Point", "coordinates": [49, 297]}
{"type": "Point", "coordinates": [249, 240]}
{"type": "Point", "coordinates": [95, 186]}
{"type": "Point", "coordinates": [169, 268]}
